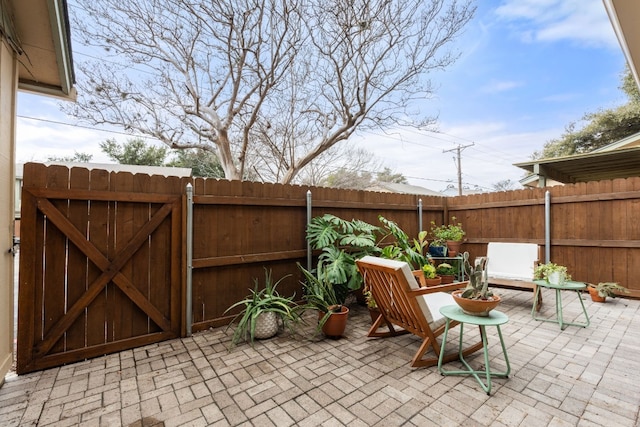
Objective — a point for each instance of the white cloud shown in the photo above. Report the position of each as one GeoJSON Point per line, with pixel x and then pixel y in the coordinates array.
{"type": "Point", "coordinates": [582, 21]}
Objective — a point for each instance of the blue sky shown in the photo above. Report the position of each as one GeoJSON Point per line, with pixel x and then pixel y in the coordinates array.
{"type": "Point", "coordinates": [527, 69]}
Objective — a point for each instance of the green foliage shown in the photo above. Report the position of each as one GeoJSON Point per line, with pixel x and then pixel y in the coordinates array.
{"type": "Point", "coordinates": [320, 294]}
{"type": "Point", "coordinates": [429, 271]}
{"type": "Point", "coordinates": [412, 252]}
{"type": "Point", "coordinates": [452, 231]}
{"type": "Point", "coordinates": [601, 128]}
{"type": "Point", "coordinates": [387, 175]}
{"type": "Point", "coordinates": [134, 152]}
{"type": "Point", "coordinates": [77, 157]}
{"type": "Point", "coordinates": [608, 289]}
{"type": "Point", "coordinates": [543, 271]}
{"type": "Point", "coordinates": [342, 242]}
{"type": "Point", "coordinates": [445, 269]}
{"type": "Point", "coordinates": [261, 301]}
{"type": "Point", "coordinates": [202, 163]}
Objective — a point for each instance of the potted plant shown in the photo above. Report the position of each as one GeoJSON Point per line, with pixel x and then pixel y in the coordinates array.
{"type": "Point", "coordinates": [554, 274]}
{"type": "Point", "coordinates": [602, 290]}
{"type": "Point", "coordinates": [320, 295]}
{"type": "Point", "coordinates": [342, 242]}
{"type": "Point", "coordinates": [476, 299]}
{"type": "Point", "coordinates": [452, 234]}
{"type": "Point", "coordinates": [374, 311]}
{"type": "Point", "coordinates": [447, 272]}
{"type": "Point", "coordinates": [430, 276]}
{"type": "Point", "coordinates": [263, 311]}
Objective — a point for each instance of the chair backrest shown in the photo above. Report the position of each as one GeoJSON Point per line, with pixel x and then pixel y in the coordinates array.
{"type": "Point", "coordinates": [390, 281]}
{"type": "Point", "coordinates": [512, 260]}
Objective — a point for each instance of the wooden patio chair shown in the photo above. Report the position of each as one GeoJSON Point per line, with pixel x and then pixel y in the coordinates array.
{"type": "Point", "coordinates": [414, 309]}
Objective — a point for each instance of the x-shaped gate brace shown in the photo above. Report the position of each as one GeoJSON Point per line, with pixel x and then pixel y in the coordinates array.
{"type": "Point", "coordinates": [110, 272]}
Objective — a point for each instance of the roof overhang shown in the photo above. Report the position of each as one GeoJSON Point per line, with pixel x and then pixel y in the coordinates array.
{"type": "Point", "coordinates": [594, 166]}
{"type": "Point", "coordinates": [44, 42]}
{"type": "Point", "coordinates": [624, 15]}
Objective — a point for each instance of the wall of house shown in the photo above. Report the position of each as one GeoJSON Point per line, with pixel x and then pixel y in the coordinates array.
{"type": "Point", "coordinates": [8, 90]}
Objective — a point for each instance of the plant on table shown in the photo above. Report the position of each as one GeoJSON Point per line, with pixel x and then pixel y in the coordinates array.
{"type": "Point", "coordinates": [452, 232]}
{"type": "Point", "coordinates": [478, 287]}
{"type": "Point", "coordinates": [551, 272]}
{"type": "Point", "coordinates": [263, 310]}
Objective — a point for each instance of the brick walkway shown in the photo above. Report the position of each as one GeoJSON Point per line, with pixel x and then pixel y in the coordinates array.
{"type": "Point", "coordinates": [575, 377]}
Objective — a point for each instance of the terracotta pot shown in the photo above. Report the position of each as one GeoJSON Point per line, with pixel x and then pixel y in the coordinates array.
{"type": "Point", "coordinates": [433, 282]}
{"type": "Point", "coordinates": [595, 297]}
{"type": "Point", "coordinates": [336, 323]}
{"type": "Point", "coordinates": [374, 313]}
{"type": "Point", "coordinates": [453, 246]}
{"type": "Point", "coordinates": [475, 307]}
{"type": "Point", "coordinates": [447, 278]}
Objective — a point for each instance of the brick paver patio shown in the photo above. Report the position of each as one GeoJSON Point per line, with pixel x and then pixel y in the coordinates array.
{"type": "Point", "coordinates": [575, 377]}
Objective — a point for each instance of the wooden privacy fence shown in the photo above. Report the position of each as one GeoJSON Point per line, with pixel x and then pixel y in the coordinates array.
{"type": "Point", "coordinates": [102, 264]}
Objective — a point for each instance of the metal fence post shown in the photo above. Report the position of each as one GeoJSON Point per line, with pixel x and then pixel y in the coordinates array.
{"type": "Point", "coordinates": [419, 215]}
{"type": "Point", "coordinates": [189, 296]}
{"type": "Point", "coordinates": [308, 222]}
{"type": "Point", "coordinates": [547, 226]}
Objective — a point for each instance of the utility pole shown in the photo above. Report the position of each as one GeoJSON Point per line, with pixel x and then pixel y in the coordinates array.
{"type": "Point", "coordinates": [459, 149]}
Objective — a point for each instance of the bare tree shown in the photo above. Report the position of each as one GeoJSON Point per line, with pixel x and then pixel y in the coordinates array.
{"type": "Point", "coordinates": [266, 85]}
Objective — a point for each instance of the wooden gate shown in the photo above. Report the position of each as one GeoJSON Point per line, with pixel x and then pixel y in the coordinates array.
{"type": "Point", "coordinates": [100, 263]}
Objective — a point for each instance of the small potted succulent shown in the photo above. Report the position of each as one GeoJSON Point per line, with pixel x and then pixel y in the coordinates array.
{"type": "Point", "coordinates": [602, 290]}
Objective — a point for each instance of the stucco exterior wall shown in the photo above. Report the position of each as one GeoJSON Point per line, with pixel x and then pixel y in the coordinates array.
{"type": "Point", "coordinates": [8, 96]}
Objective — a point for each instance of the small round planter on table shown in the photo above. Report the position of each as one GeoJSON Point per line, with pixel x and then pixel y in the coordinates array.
{"type": "Point", "coordinates": [475, 307]}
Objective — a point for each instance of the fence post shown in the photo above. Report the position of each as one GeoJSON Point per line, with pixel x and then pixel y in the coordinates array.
{"type": "Point", "coordinates": [419, 215]}
{"type": "Point", "coordinates": [547, 226]}
{"type": "Point", "coordinates": [308, 222]}
{"type": "Point", "coordinates": [189, 295]}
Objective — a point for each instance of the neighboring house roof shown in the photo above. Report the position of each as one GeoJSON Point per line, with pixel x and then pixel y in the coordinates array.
{"type": "Point", "coordinates": [452, 191]}
{"type": "Point", "coordinates": [624, 15]}
{"type": "Point", "coordinates": [39, 32]}
{"type": "Point", "coordinates": [620, 159]}
{"type": "Point", "coordinates": [392, 187]}
{"type": "Point", "coordinates": [117, 167]}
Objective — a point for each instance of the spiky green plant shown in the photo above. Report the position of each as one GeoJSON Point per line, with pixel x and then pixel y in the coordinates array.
{"type": "Point", "coordinates": [261, 301]}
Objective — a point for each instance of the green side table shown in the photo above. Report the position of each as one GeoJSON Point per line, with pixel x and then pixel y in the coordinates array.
{"type": "Point", "coordinates": [495, 318]}
{"type": "Point", "coordinates": [566, 286]}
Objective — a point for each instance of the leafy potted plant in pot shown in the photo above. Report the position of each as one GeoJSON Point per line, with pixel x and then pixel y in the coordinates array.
{"type": "Point", "coordinates": [431, 278]}
{"type": "Point", "coordinates": [374, 311]}
{"type": "Point", "coordinates": [447, 272]}
{"type": "Point", "coordinates": [452, 234]}
{"type": "Point", "coordinates": [476, 299]}
{"type": "Point", "coordinates": [342, 242]}
{"type": "Point", "coordinates": [602, 290]}
{"type": "Point", "coordinates": [554, 274]}
{"type": "Point", "coordinates": [320, 295]}
{"type": "Point", "coordinates": [263, 311]}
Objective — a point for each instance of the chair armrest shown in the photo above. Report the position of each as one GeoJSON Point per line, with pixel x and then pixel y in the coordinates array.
{"type": "Point", "coordinates": [438, 288]}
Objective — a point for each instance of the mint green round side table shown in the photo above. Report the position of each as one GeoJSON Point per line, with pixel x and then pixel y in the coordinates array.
{"type": "Point", "coordinates": [495, 318]}
{"type": "Point", "coordinates": [566, 286]}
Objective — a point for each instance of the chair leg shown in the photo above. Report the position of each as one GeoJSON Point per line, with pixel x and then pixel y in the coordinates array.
{"type": "Point", "coordinates": [419, 362]}
{"type": "Point", "coordinates": [373, 331]}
